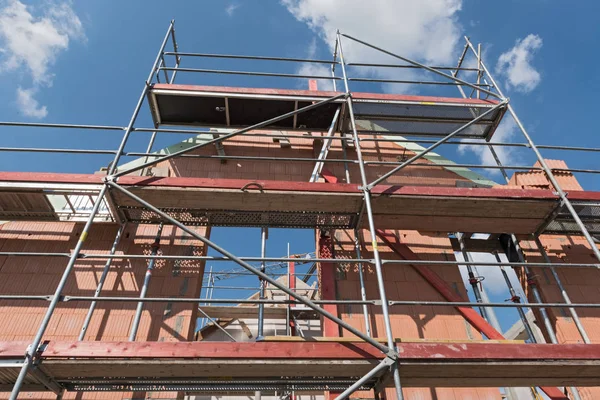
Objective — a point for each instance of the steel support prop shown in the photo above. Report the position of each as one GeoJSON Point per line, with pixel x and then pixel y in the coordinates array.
{"type": "Point", "coordinates": [250, 268]}
{"type": "Point", "coordinates": [369, 213]}
{"type": "Point", "coordinates": [475, 281]}
{"type": "Point", "coordinates": [264, 235]}
{"type": "Point", "coordinates": [140, 306]}
{"type": "Point", "coordinates": [514, 297]}
{"type": "Point", "coordinates": [113, 249]}
{"type": "Point", "coordinates": [547, 170]}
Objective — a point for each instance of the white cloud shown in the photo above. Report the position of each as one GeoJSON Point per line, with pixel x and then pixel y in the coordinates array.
{"type": "Point", "coordinates": [28, 105]}
{"type": "Point", "coordinates": [505, 132]}
{"type": "Point", "coordinates": [515, 64]}
{"type": "Point", "coordinates": [32, 42]}
{"type": "Point", "coordinates": [426, 31]}
{"type": "Point", "coordinates": [230, 9]}
{"type": "Point", "coordinates": [312, 69]}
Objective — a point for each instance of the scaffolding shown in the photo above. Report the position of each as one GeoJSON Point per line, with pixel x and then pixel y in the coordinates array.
{"type": "Point", "coordinates": [125, 195]}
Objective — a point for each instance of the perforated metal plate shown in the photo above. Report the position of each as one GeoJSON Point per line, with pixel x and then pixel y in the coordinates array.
{"type": "Point", "coordinates": [563, 223]}
{"type": "Point", "coordinates": [244, 218]}
{"type": "Point", "coordinates": [213, 386]}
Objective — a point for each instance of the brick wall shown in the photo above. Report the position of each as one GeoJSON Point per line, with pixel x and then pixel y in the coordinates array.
{"type": "Point", "coordinates": [579, 283]}
{"type": "Point", "coordinates": [111, 321]}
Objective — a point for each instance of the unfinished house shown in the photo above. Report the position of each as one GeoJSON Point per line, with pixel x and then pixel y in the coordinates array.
{"type": "Point", "coordinates": [101, 273]}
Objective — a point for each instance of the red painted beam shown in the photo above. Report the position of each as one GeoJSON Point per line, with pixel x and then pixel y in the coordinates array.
{"type": "Point", "coordinates": [412, 351]}
{"type": "Point", "coordinates": [14, 349]}
{"type": "Point", "coordinates": [328, 175]}
{"type": "Point", "coordinates": [476, 320]}
{"type": "Point", "coordinates": [386, 190]}
{"type": "Point", "coordinates": [390, 239]}
{"type": "Point", "coordinates": [319, 93]}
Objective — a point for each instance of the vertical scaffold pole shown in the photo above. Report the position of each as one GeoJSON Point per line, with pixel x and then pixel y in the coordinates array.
{"type": "Point", "coordinates": [140, 306]}
{"type": "Point", "coordinates": [547, 170]}
{"type": "Point", "coordinates": [530, 279]}
{"type": "Point", "coordinates": [136, 111]}
{"type": "Point", "coordinates": [101, 281]}
{"type": "Point", "coordinates": [473, 280]}
{"type": "Point", "coordinates": [264, 235]}
{"type": "Point", "coordinates": [361, 279]}
{"type": "Point", "coordinates": [514, 297]}
{"type": "Point", "coordinates": [369, 213]}
{"type": "Point", "coordinates": [33, 347]}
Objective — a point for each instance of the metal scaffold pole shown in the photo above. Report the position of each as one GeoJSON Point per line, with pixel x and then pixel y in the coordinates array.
{"type": "Point", "coordinates": [140, 306]}
{"type": "Point", "coordinates": [373, 232]}
{"type": "Point", "coordinates": [384, 349]}
{"type": "Point", "coordinates": [101, 281]}
{"type": "Point", "coordinates": [33, 348]}
{"type": "Point", "coordinates": [513, 239]}
{"type": "Point", "coordinates": [514, 297]}
{"type": "Point", "coordinates": [361, 280]}
{"type": "Point", "coordinates": [544, 165]}
{"type": "Point", "coordinates": [264, 235]}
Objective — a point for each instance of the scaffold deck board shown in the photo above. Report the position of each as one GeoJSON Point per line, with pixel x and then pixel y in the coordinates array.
{"type": "Point", "coordinates": [239, 202]}
{"type": "Point", "coordinates": [237, 107]}
{"type": "Point", "coordinates": [421, 364]}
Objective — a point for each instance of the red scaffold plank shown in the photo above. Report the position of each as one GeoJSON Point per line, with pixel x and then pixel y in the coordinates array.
{"type": "Point", "coordinates": [321, 350]}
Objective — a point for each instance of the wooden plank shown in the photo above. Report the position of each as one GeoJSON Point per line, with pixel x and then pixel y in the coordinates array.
{"type": "Point", "coordinates": [462, 206]}
{"type": "Point", "coordinates": [320, 350]}
{"type": "Point", "coordinates": [13, 349]}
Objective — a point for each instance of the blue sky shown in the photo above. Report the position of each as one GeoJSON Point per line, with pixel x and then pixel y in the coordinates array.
{"type": "Point", "coordinates": [85, 62]}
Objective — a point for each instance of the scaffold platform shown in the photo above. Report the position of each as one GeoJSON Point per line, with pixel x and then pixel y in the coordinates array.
{"type": "Point", "coordinates": [239, 202]}
{"type": "Point", "coordinates": [118, 366]}
{"type": "Point", "coordinates": [236, 107]}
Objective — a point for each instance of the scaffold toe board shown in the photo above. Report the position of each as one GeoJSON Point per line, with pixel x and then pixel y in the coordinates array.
{"type": "Point", "coordinates": [422, 364]}
{"type": "Point", "coordinates": [236, 107]}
